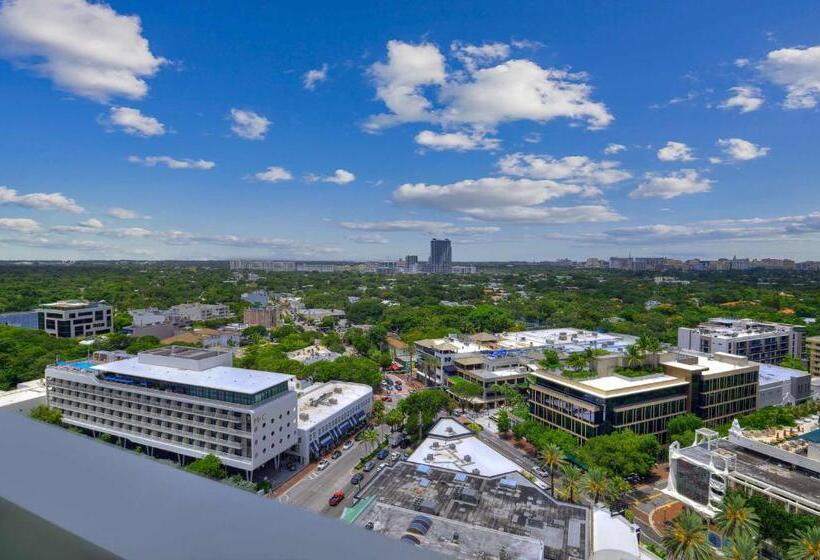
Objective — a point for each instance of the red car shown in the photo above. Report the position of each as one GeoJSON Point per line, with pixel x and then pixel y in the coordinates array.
{"type": "Point", "coordinates": [336, 498]}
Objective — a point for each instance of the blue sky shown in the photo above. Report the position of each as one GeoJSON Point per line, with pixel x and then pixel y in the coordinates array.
{"type": "Point", "coordinates": [522, 131]}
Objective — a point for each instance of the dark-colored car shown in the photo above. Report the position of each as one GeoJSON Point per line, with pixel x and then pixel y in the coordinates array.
{"type": "Point", "coordinates": [336, 498]}
{"type": "Point", "coordinates": [336, 454]}
{"type": "Point", "coordinates": [368, 466]}
{"type": "Point", "coordinates": [382, 455]}
{"type": "Point", "coordinates": [357, 478]}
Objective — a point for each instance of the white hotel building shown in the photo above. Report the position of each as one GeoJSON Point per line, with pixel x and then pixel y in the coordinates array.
{"type": "Point", "coordinates": [328, 412]}
{"type": "Point", "coordinates": [187, 401]}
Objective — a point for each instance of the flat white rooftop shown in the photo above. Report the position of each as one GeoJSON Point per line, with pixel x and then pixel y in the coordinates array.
{"type": "Point", "coordinates": [447, 427]}
{"type": "Point", "coordinates": [465, 454]}
{"type": "Point", "coordinates": [223, 378]}
{"type": "Point", "coordinates": [711, 365]}
{"type": "Point", "coordinates": [315, 401]}
{"type": "Point", "coordinates": [24, 392]}
{"type": "Point", "coordinates": [617, 382]}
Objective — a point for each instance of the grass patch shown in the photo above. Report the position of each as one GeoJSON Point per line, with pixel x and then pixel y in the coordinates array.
{"type": "Point", "coordinates": [638, 372]}
{"type": "Point", "coordinates": [578, 374]}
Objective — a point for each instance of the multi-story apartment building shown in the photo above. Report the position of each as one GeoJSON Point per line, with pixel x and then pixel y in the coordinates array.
{"type": "Point", "coordinates": [600, 405]}
{"type": "Point", "coordinates": [721, 386]}
{"type": "Point", "coordinates": [200, 311]}
{"type": "Point", "coordinates": [441, 256]}
{"type": "Point", "coordinates": [74, 318]}
{"type": "Point", "coordinates": [187, 401]}
{"type": "Point", "coordinates": [760, 341]}
{"type": "Point", "coordinates": [813, 354]}
{"type": "Point", "coordinates": [267, 317]}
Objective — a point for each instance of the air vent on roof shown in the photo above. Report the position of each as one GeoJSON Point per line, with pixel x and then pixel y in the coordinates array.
{"type": "Point", "coordinates": [304, 416]}
{"type": "Point", "coordinates": [467, 459]}
{"type": "Point", "coordinates": [475, 471]}
{"type": "Point", "coordinates": [337, 389]}
{"type": "Point", "coordinates": [429, 457]}
{"type": "Point", "coordinates": [434, 445]}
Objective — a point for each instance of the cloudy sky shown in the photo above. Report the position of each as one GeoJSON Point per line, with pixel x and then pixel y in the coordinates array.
{"type": "Point", "coordinates": [296, 130]}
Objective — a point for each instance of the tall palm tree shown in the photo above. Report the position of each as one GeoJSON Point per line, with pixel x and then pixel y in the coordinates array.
{"type": "Point", "coordinates": [736, 518]}
{"type": "Point", "coordinates": [650, 345]}
{"type": "Point", "coordinates": [553, 457]}
{"type": "Point", "coordinates": [804, 545]}
{"type": "Point", "coordinates": [595, 483]}
{"type": "Point", "coordinates": [686, 539]}
{"type": "Point", "coordinates": [573, 477]}
{"type": "Point", "coordinates": [634, 355]}
{"type": "Point", "coordinates": [370, 437]}
{"type": "Point", "coordinates": [742, 547]}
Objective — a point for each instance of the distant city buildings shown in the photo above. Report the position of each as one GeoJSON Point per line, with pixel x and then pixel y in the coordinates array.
{"type": "Point", "coordinates": [200, 311]}
{"type": "Point", "coordinates": [186, 401]}
{"type": "Point", "coordinates": [760, 341]}
{"type": "Point", "coordinates": [441, 256]}
{"type": "Point", "coordinates": [75, 318]}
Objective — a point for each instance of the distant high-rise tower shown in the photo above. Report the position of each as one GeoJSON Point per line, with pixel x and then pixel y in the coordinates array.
{"type": "Point", "coordinates": [441, 256]}
{"type": "Point", "coordinates": [411, 260]}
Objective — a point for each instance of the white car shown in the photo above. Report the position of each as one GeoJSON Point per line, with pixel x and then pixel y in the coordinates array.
{"type": "Point", "coordinates": [348, 444]}
{"type": "Point", "coordinates": [323, 464]}
{"type": "Point", "coordinates": [382, 466]}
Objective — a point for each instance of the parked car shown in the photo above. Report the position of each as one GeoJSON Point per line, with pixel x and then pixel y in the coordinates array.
{"type": "Point", "coordinates": [336, 498]}
{"type": "Point", "coordinates": [357, 478]}
{"type": "Point", "coordinates": [382, 455]}
{"type": "Point", "coordinates": [394, 456]}
{"type": "Point", "coordinates": [368, 466]}
{"type": "Point", "coordinates": [405, 456]}
{"type": "Point", "coordinates": [398, 386]}
{"type": "Point", "coordinates": [323, 464]}
{"type": "Point", "coordinates": [348, 444]}
{"type": "Point", "coordinates": [382, 465]}
{"type": "Point", "coordinates": [336, 454]}
{"type": "Point", "coordinates": [386, 398]}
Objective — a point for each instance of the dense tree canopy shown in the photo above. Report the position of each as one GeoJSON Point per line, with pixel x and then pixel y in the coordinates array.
{"type": "Point", "coordinates": [622, 453]}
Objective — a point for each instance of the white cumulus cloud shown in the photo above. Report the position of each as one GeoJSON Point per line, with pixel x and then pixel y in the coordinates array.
{"type": "Point", "coordinates": [20, 225]}
{"type": "Point", "coordinates": [456, 141]}
{"type": "Point", "coordinates": [798, 71]}
{"type": "Point", "coordinates": [314, 76]}
{"type": "Point", "coordinates": [92, 223]}
{"type": "Point", "coordinates": [612, 149]}
{"type": "Point", "coordinates": [339, 177]}
{"type": "Point", "coordinates": [133, 122]}
{"type": "Point", "coordinates": [172, 163]}
{"type": "Point", "coordinates": [39, 201]}
{"type": "Point", "coordinates": [744, 98]}
{"type": "Point", "coordinates": [572, 169]}
{"type": "Point", "coordinates": [369, 238]}
{"type": "Point", "coordinates": [741, 150]}
{"type": "Point", "coordinates": [248, 124]}
{"type": "Point", "coordinates": [273, 174]}
{"type": "Point", "coordinates": [83, 47]}
{"type": "Point", "coordinates": [675, 151]}
{"type": "Point", "coordinates": [423, 226]}
{"type": "Point", "coordinates": [482, 96]}
{"type": "Point", "coordinates": [123, 214]}
{"type": "Point", "coordinates": [683, 182]}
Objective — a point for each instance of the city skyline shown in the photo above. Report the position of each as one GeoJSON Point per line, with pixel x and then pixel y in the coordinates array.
{"type": "Point", "coordinates": [553, 131]}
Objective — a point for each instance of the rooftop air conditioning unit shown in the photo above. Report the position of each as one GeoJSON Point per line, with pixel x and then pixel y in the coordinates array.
{"type": "Point", "coordinates": [467, 459]}
{"type": "Point", "coordinates": [333, 401]}
{"type": "Point", "coordinates": [429, 457]}
{"type": "Point", "coordinates": [434, 445]}
{"type": "Point", "coordinates": [337, 389]}
{"type": "Point", "coordinates": [304, 416]}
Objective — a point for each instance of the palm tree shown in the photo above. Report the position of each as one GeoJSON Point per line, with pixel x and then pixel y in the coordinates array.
{"type": "Point", "coordinates": [577, 361]}
{"type": "Point", "coordinates": [634, 355]}
{"type": "Point", "coordinates": [742, 547]}
{"type": "Point", "coordinates": [573, 476]}
{"type": "Point", "coordinates": [804, 545]}
{"type": "Point", "coordinates": [686, 539]}
{"type": "Point", "coordinates": [553, 457]}
{"type": "Point", "coordinates": [595, 483]}
{"type": "Point", "coordinates": [370, 437]}
{"type": "Point", "coordinates": [736, 518]}
{"type": "Point", "coordinates": [651, 345]}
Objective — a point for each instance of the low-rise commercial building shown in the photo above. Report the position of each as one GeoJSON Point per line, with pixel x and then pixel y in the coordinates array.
{"type": "Point", "coordinates": [201, 311]}
{"type": "Point", "coordinates": [20, 319]}
{"type": "Point", "coordinates": [780, 385]}
{"type": "Point", "coordinates": [760, 341]}
{"type": "Point", "coordinates": [751, 462]}
{"type": "Point", "coordinates": [328, 412]}
{"type": "Point", "coordinates": [489, 370]}
{"type": "Point", "coordinates": [75, 318]}
{"type": "Point", "coordinates": [25, 397]}
{"type": "Point", "coordinates": [187, 401]}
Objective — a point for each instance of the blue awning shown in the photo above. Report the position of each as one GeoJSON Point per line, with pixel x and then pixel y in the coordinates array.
{"type": "Point", "coordinates": [314, 448]}
{"type": "Point", "coordinates": [359, 417]}
{"type": "Point", "coordinates": [345, 426]}
{"type": "Point", "coordinates": [326, 439]}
